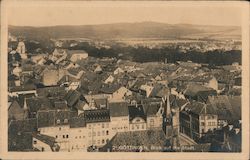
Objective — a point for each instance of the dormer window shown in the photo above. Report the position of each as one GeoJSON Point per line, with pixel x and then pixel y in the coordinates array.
{"type": "Point", "coordinates": [58, 121]}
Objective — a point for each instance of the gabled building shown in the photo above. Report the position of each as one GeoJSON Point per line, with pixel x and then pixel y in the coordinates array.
{"type": "Point", "coordinates": [154, 112]}
{"type": "Point", "coordinates": [207, 81]}
{"type": "Point", "coordinates": [227, 114]}
{"type": "Point", "coordinates": [120, 94]}
{"type": "Point", "coordinates": [55, 123]}
{"type": "Point", "coordinates": [118, 71]}
{"type": "Point", "coordinates": [98, 127]}
{"type": "Point", "coordinates": [78, 136]}
{"type": "Point", "coordinates": [119, 117]}
{"type": "Point", "coordinates": [77, 55]}
{"type": "Point", "coordinates": [196, 119]}
{"type": "Point", "coordinates": [198, 92]}
{"type": "Point", "coordinates": [44, 143]}
{"type": "Point", "coordinates": [137, 118]}
{"type": "Point", "coordinates": [16, 112]}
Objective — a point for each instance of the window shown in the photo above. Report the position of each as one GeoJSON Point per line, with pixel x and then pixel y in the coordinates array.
{"type": "Point", "coordinates": [80, 137]}
{"type": "Point", "coordinates": [67, 136]}
{"type": "Point", "coordinates": [90, 126]}
{"type": "Point", "coordinates": [34, 141]}
{"type": "Point", "coordinates": [66, 121]}
{"type": "Point", "coordinates": [63, 136]}
{"type": "Point", "coordinates": [76, 137]}
{"type": "Point", "coordinates": [98, 142]}
{"type": "Point", "coordinates": [89, 134]}
{"type": "Point", "coordinates": [133, 127]}
{"type": "Point", "coordinates": [103, 133]}
{"type": "Point", "coordinates": [107, 140]}
{"type": "Point", "coordinates": [202, 124]}
{"type": "Point", "coordinates": [59, 128]}
{"type": "Point", "coordinates": [56, 136]}
{"type": "Point", "coordinates": [102, 125]}
{"type": "Point", "coordinates": [107, 125]}
{"type": "Point", "coordinates": [103, 141]}
{"type": "Point", "coordinates": [137, 126]}
{"type": "Point", "coordinates": [107, 132]}
{"type": "Point", "coordinates": [142, 126]}
{"type": "Point", "coordinates": [151, 122]}
{"type": "Point", "coordinates": [58, 122]}
{"type": "Point", "coordinates": [94, 134]}
{"type": "Point", "coordinates": [98, 133]}
{"type": "Point", "coordinates": [42, 149]}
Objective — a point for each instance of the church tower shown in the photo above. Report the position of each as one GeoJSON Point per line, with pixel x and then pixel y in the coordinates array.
{"type": "Point", "coordinates": [168, 116]}
{"type": "Point", "coordinates": [21, 50]}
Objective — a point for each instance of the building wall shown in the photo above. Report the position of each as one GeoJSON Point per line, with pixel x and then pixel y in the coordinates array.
{"type": "Point", "coordinates": [99, 133]}
{"type": "Point", "coordinates": [78, 138]}
{"type": "Point", "coordinates": [213, 83]}
{"type": "Point", "coordinates": [208, 122]}
{"type": "Point", "coordinates": [61, 133]}
{"type": "Point", "coordinates": [137, 124]}
{"type": "Point", "coordinates": [154, 122]}
{"type": "Point", "coordinates": [189, 125]}
{"type": "Point", "coordinates": [119, 124]}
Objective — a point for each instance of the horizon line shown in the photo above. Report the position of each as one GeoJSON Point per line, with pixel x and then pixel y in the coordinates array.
{"type": "Point", "coordinates": [72, 25]}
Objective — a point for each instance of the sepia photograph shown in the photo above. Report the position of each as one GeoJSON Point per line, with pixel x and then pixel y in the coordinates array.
{"type": "Point", "coordinates": [165, 78]}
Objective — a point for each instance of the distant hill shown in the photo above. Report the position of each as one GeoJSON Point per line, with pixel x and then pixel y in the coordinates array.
{"type": "Point", "coordinates": [128, 30]}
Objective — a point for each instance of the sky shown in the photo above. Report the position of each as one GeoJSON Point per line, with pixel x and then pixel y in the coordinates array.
{"type": "Point", "coordinates": [89, 12]}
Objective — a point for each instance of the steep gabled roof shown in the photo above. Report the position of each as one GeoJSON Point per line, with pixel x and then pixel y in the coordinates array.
{"type": "Point", "coordinates": [72, 97]}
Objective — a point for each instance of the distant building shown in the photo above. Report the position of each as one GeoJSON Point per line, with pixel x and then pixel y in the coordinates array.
{"type": "Point", "coordinates": [16, 112]}
{"type": "Point", "coordinates": [120, 94]}
{"type": "Point", "coordinates": [51, 76]}
{"type": "Point", "coordinates": [21, 50]}
{"type": "Point", "coordinates": [76, 55]}
{"type": "Point", "coordinates": [118, 70]}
